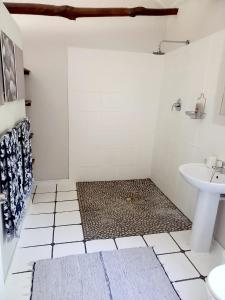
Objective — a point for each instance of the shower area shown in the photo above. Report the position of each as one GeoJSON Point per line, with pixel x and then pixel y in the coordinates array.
{"type": "Point", "coordinates": [122, 127]}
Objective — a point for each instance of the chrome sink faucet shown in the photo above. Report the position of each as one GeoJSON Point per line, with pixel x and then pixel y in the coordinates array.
{"type": "Point", "coordinates": [220, 166]}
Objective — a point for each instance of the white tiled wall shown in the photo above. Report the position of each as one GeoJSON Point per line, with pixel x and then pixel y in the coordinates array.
{"type": "Point", "coordinates": [189, 71]}
{"type": "Point", "coordinates": [113, 103]}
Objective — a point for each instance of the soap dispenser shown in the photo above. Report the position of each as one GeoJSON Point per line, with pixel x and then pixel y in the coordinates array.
{"type": "Point", "coordinates": [200, 106]}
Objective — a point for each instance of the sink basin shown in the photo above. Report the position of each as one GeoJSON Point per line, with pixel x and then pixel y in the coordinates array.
{"type": "Point", "coordinates": [210, 185]}
{"type": "Point", "coordinates": [203, 178]}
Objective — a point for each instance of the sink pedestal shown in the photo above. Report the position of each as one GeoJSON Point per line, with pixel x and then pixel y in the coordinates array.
{"type": "Point", "coordinates": [204, 221]}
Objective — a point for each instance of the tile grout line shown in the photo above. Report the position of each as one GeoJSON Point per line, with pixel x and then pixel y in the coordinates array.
{"type": "Point", "coordinates": [158, 254]}
{"type": "Point", "coordinates": [166, 274]}
{"type": "Point", "coordinates": [49, 213]}
{"type": "Point", "coordinates": [145, 241]}
{"type": "Point", "coordinates": [45, 202]}
{"type": "Point", "coordinates": [53, 231]}
{"type": "Point", "coordinates": [50, 226]}
{"type": "Point", "coordinates": [32, 281]}
{"type": "Point", "coordinates": [114, 239]}
{"type": "Point", "coordinates": [183, 280]}
{"type": "Point", "coordinates": [176, 242]}
{"type": "Point", "coordinates": [176, 281]}
{"type": "Point", "coordinates": [85, 247]}
{"type": "Point", "coordinates": [21, 272]}
{"type": "Point", "coordinates": [184, 252]}
{"type": "Point", "coordinates": [50, 244]}
{"type": "Point", "coordinates": [33, 194]}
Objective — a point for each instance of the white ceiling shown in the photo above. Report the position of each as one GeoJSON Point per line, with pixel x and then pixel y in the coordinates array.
{"type": "Point", "coordinates": [131, 34]}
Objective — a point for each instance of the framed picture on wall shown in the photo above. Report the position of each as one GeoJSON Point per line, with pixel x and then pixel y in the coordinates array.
{"type": "Point", "coordinates": [20, 84]}
{"type": "Point", "coordinates": [1, 81]}
{"type": "Point", "coordinates": [8, 67]}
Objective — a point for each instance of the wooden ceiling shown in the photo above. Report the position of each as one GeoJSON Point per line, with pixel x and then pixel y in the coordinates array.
{"type": "Point", "coordinates": [73, 13]}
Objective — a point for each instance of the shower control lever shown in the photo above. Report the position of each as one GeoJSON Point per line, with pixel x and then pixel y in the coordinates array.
{"type": "Point", "coordinates": [177, 105]}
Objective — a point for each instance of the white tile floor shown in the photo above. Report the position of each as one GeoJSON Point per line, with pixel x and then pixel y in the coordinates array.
{"type": "Point", "coordinates": [162, 243]}
{"type": "Point", "coordinates": [130, 242]}
{"type": "Point", "coordinates": [47, 197]}
{"type": "Point", "coordinates": [41, 220]}
{"type": "Point", "coordinates": [72, 233]}
{"type": "Point", "coordinates": [67, 206]}
{"type": "Point", "coordinates": [55, 205]}
{"type": "Point", "coordinates": [68, 249]}
{"type": "Point", "coordinates": [67, 218]}
{"type": "Point", "coordinates": [100, 245]}
{"type": "Point", "coordinates": [41, 208]}
{"type": "Point", "coordinates": [70, 195]}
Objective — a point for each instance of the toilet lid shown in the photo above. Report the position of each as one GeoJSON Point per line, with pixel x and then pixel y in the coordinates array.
{"type": "Point", "coordinates": [216, 282]}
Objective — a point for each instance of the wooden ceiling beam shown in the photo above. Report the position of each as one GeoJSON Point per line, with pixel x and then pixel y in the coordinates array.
{"type": "Point", "coordinates": [73, 13]}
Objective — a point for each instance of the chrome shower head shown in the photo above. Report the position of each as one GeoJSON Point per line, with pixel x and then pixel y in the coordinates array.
{"type": "Point", "coordinates": [160, 52]}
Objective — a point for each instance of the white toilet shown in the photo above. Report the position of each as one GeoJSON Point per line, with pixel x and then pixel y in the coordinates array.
{"type": "Point", "coordinates": [216, 283]}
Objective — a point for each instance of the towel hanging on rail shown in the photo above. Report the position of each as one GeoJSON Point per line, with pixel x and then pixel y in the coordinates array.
{"type": "Point", "coordinates": [15, 174]}
{"type": "Point", "coordinates": [23, 128]}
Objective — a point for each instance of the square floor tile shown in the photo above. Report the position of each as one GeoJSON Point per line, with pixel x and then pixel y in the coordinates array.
{"type": "Point", "coordinates": [48, 197]}
{"type": "Point", "coordinates": [161, 243]}
{"type": "Point", "coordinates": [178, 267]}
{"type": "Point", "coordinates": [67, 205]}
{"type": "Point", "coordinates": [72, 233]}
{"type": "Point", "coordinates": [100, 245]}
{"type": "Point", "coordinates": [25, 257]}
{"type": "Point", "coordinates": [42, 208]}
{"type": "Point", "coordinates": [42, 220]}
{"type": "Point", "coordinates": [66, 218]}
{"type": "Point", "coordinates": [66, 185]}
{"type": "Point", "coordinates": [35, 237]}
{"type": "Point", "coordinates": [205, 262]}
{"type": "Point", "coordinates": [60, 250]}
{"type": "Point", "coordinates": [182, 238]}
{"type": "Point", "coordinates": [130, 242]}
{"type": "Point", "coordinates": [18, 286]}
{"type": "Point", "coordinates": [191, 289]}
{"type": "Point", "coordinates": [62, 196]}
{"type": "Point", "coordinates": [46, 187]}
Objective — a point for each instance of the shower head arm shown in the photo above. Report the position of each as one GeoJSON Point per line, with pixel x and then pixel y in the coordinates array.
{"type": "Point", "coordinates": [187, 42]}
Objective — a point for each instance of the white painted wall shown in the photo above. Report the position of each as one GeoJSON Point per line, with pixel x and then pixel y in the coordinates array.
{"type": "Point", "coordinates": [47, 88]}
{"type": "Point", "coordinates": [46, 40]}
{"type": "Point", "coordinates": [10, 113]}
{"type": "Point", "coordinates": [113, 102]}
{"type": "Point", "coordinates": [179, 139]}
{"type": "Point", "coordinates": [196, 19]}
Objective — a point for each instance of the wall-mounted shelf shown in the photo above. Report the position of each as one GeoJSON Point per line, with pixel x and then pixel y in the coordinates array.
{"type": "Point", "coordinates": [26, 71]}
{"type": "Point", "coordinates": [28, 102]}
{"type": "Point", "coordinates": [199, 111]}
{"type": "Point", "coordinates": [195, 115]}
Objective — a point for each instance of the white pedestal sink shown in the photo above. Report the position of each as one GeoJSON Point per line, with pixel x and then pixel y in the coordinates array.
{"type": "Point", "coordinates": [210, 185]}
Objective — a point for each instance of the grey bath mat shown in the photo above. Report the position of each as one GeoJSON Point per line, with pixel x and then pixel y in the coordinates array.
{"type": "Point", "coordinates": [111, 209]}
{"type": "Point", "coordinates": [130, 274]}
